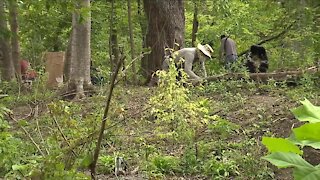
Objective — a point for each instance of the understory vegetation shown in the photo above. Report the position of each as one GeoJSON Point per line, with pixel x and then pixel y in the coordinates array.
{"type": "Point", "coordinates": [173, 130]}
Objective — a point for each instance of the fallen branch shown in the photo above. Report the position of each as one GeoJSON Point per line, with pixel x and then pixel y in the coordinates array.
{"type": "Point", "coordinates": [278, 76]}
{"type": "Point", "coordinates": [271, 38]}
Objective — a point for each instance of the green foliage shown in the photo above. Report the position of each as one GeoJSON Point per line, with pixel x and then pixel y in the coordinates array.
{"type": "Point", "coordinates": [285, 153]}
{"type": "Point", "coordinates": [163, 164]}
{"type": "Point", "coordinates": [178, 116]}
{"type": "Point", "coordinates": [220, 168]}
{"type": "Point", "coordinates": [106, 163]}
{"type": "Point", "coordinates": [307, 112]}
{"type": "Point", "coordinates": [280, 144]}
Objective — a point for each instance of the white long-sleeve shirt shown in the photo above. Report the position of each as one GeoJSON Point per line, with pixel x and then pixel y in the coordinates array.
{"type": "Point", "coordinates": [189, 56]}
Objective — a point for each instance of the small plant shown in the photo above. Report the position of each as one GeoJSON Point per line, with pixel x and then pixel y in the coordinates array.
{"type": "Point", "coordinates": [286, 152]}
{"type": "Point", "coordinates": [164, 164]}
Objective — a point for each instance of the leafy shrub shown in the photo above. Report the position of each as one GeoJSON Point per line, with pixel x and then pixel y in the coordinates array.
{"type": "Point", "coordinates": [219, 167]}
{"type": "Point", "coordinates": [106, 164]}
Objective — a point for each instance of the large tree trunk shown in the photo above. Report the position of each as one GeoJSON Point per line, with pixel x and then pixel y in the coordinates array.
{"type": "Point", "coordinates": [6, 65]}
{"type": "Point", "coordinates": [165, 30]}
{"type": "Point", "coordinates": [80, 51]}
{"type": "Point", "coordinates": [13, 10]}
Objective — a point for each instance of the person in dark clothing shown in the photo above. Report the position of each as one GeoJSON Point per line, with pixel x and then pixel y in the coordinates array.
{"type": "Point", "coordinates": [257, 59]}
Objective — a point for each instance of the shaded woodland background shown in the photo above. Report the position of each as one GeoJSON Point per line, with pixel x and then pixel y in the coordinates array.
{"type": "Point", "coordinates": [171, 131]}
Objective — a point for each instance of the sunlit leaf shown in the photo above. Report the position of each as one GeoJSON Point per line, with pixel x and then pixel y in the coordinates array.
{"type": "Point", "coordinates": [309, 132]}
{"type": "Point", "coordinates": [307, 112]}
{"type": "Point", "coordinates": [287, 159]}
{"type": "Point", "coordinates": [280, 145]}
{"type": "Point", "coordinates": [18, 167]}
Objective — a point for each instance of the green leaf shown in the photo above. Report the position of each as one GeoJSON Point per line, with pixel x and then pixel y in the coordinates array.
{"type": "Point", "coordinates": [306, 173]}
{"type": "Point", "coordinates": [280, 145]}
{"type": "Point", "coordinates": [18, 167]}
{"type": "Point", "coordinates": [23, 122]}
{"type": "Point", "coordinates": [307, 112]}
{"type": "Point", "coordinates": [287, 159]}
{"type": "Point", "coordinates": [87, 160]}
{"type": "Point", "coordinates": [308, 132]}
{"type": "Point", "coordinates": [302, 143]}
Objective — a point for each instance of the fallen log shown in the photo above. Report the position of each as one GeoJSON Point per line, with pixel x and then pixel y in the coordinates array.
{"type": "Point", "coordinates": [264, 77]}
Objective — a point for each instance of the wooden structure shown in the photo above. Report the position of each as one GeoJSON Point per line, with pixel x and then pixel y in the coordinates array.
{"type": "Point", "coordinates": [54, 67]}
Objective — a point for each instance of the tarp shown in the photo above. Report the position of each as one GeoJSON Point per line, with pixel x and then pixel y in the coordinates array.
{"type": "Point", "coordinates": [54, 68]}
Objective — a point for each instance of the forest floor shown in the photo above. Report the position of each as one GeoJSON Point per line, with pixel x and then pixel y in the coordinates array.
{"type": "Point", "coordinates": [257, 111]}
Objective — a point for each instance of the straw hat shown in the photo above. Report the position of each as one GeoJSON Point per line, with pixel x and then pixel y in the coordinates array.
{"type": "Point", "coordinates": [205, 49]}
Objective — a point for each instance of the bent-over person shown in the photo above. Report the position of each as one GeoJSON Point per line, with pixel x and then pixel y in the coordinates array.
{"type": "Point", "coordinates": [185, 58]}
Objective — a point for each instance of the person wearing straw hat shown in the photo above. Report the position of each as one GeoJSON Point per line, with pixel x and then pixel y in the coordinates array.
{"type": "Point", "coordinates": [186, 57]}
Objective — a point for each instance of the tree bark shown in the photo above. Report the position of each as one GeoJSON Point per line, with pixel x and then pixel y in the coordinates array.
{"type": "Point", "coordinates": [13, 11]}
{"type": "Point", "coordinates": [143, 27]}
{"type": "Point", "coordinates": [113, 39]}
{"type": "Point", "coordinates": [132, 44]}
{"type": "Point", "coordinates": [195, 24]}
{"type": "Point", "coordinates": [165, 30]}
{"type": "Point", "coordinates": [7, 69]}
{"type": "Point", "coordinates": [67, 61]}
{"type": "Point", "coordinates": [80, 50]}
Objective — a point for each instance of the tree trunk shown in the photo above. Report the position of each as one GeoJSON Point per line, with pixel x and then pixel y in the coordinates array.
{"type": "Point", "coordinates": [113, 39]}
{"type": "Point", "coordinates": [165, 30]}
{"type": "Point", "coordinates": [143, 26]}
{"type": "Point", "coordinates": [13, 11]}
{"type": "Point", "coordinates": [195, 24]}
{"type": "Point", "coordinates": [7, 69]}
{"type": "Point", "coordinates": [80, 50]}
{"type": "Point", "coordinates": [67, 61]}
{"type": "Point", "coordinates": [132, 44]}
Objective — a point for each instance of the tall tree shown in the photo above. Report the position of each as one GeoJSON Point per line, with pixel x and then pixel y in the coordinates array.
{"type": "Point", "coordinates": [80, 48]}
{"type": "Point", "coordinates": [132, 43]}
{"type": "Point", "coordinates": [114, 52]}
{"type": "Point", "coordinates": [195, 24]}
{"type": "Point", "coordinates": [14, 25]}
{"type": "Point", "coordinates": [7, 69]}
{"type": "Point", "coordinates": [165, 30]}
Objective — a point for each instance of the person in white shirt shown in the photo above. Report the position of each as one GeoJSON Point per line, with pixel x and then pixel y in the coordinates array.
{"type": "Point", "coordinates": [185, 58]}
